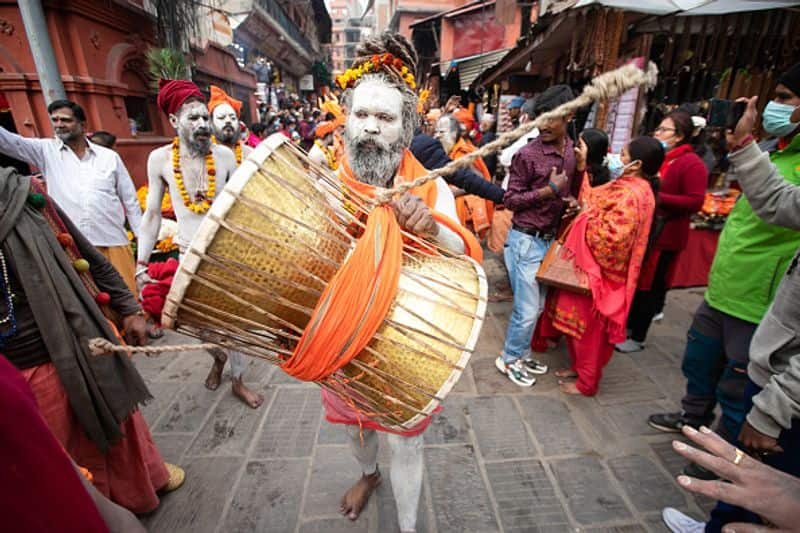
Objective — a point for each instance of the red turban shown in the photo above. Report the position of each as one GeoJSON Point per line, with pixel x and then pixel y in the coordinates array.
{"type": "Point", "coordinates": [173, 93]}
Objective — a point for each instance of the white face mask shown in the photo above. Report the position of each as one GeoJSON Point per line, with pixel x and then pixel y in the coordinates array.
{"type": "Point", "coordinates": [777, 119]}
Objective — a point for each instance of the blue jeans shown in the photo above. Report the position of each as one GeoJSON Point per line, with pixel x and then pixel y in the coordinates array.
{"type": "Point", "coordinates": [788, 461]}
{"type": "Point", "coordinates": [523, 254]}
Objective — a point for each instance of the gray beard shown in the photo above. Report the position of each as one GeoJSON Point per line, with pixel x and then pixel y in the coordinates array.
{"type": "Point", "coordinates": [228, 139]}
{"type": "Point", "coordinates": [198, 147]}
{"type": "Point", "coordinates": [374, 165]}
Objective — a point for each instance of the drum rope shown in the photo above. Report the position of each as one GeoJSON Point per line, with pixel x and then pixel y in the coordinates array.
{"type": "Point", "coordinates": [608, 85]}
{"type": "Point", "coordinates": [101, 346]}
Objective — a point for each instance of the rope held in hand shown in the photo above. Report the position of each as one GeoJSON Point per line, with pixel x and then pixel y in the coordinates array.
{"type": "Point", "coordinates": [608, 85]}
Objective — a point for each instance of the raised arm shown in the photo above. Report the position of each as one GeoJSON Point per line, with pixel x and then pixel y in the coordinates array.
{"type": "Point", "coordinates": [151, 220]}
{"type": "Point", "coordinates": [28, 149]}
{"type": "Point", "coordinates": [773, 198]}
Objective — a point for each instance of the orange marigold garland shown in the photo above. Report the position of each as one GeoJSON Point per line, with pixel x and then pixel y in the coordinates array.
{"type": "Point", "coordinates": [374, 64]}
{"type": "Point", "coordinates": [205, 204]}
{"type": "Point", "coordinates": [237, 151]}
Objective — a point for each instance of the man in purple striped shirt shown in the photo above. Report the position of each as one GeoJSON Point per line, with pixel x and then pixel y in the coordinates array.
{"type": "Point", "coordinates": [541, 182]}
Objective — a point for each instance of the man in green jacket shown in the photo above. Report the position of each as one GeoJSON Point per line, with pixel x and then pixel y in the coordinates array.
{"type": "Point", "coordinates": [772, 397]}
{"type": "Point", "coordinates": [751, 259]}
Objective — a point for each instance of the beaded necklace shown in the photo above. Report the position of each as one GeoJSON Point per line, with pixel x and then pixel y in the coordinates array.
{"type": "Point", "coordinates": [11, 317]}
{"type": "Point", "coordinates": [205, 202]}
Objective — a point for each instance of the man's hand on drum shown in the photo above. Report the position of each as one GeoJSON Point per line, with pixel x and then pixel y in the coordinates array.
{"type": "Point", "coordinates": [414, 216]}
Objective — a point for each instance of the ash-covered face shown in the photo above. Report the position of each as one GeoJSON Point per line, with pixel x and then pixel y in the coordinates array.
{"type": "Point", "coordinates": [374, 132]}
{"type": "Point", "coordinates": [446, 132]}
{"type": "Point", "coordinates": [225, 124]}
{"type": "Point", "coordinates": [193, 126]}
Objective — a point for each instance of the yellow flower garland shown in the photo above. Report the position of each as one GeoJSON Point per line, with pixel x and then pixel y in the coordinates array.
{"type": "Point", "coordinates": [205, 204]}
{"type": "Point", "coordinates": [329, 155]}
{"type": "Point", "coordinates": [237, 151]}
{"type": "Point", "coordinates": [387, 61]}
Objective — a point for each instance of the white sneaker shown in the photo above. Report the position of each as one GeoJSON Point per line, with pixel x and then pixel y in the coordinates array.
{"type": "Point", "coordinates": [677, 522]}
{"type": "Point", "coordinates": [630, 346]}
{"type": "Point", "coordinates": [659, 317]}
{"type": "Point", "coordinates": [517, 372]}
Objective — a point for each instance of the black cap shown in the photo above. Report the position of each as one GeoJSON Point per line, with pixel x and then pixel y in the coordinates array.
{"type": "Point", "coordinates": [791, 78]}
{"type": "Point", "coordinates": [552, 98]}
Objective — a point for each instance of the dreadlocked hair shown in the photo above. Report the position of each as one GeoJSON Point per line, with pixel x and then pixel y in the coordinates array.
{"type": "Point", "coordinates": [399, 47]}
{"type": "Point", "coordinates": [390, 42]}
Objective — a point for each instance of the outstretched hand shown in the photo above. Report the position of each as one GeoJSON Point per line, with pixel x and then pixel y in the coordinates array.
{"type": "Point", "coordinates": [773, 495]}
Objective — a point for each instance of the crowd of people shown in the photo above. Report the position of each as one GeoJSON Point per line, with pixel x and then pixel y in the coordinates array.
{"type": "Point", "coordinates": [617, 222]}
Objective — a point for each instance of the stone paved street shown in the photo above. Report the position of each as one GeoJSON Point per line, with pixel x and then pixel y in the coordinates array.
{"type": "Point", "coordinates": [498, 458]}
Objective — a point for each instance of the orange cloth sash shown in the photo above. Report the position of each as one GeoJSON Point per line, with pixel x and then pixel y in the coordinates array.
{"type": "Point", "coordinates": [473, 209]}
{"type": "Point", "coordinates": [357, 299]}
{"type": "Point", "coordinates": [409, 170]}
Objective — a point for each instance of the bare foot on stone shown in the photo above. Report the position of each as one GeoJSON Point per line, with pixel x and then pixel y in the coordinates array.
{"type": "Point", "coordinates": [356, 498]}
{"type": "Point", "coordinates": [215, 374]}
{"type": "Point", "coordinates": [246, 394]}
{"type": "Point", "coordinates": [568, 387]}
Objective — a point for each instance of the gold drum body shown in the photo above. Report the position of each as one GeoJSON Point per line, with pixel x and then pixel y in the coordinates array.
{"type": "Point", "coordinates": [272, 240]}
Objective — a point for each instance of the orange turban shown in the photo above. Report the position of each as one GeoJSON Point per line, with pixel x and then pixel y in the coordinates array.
{"type": "Point", "coordinates": [173, 93]}
{"type": "Point", "coordinates": [218, 96]}
{"type": "Point", "coordinates": [324, 128]}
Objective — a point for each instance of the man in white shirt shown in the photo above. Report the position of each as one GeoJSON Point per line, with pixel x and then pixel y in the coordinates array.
{"type": "Point", "coordinates": [89, 182]}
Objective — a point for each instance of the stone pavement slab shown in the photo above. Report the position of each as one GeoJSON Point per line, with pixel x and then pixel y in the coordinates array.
{"type": "Point", "coordinates": [498, 458]}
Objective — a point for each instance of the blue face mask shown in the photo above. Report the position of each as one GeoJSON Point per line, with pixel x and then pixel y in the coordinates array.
{"type": "Point", "coordinates": [615, 166]}
{"type": "Point", "coordinates": [664, 145]}
{"type": "Point", "coordinates": [776, 119]}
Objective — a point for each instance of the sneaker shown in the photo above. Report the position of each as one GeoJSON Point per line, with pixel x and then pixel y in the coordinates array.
{"type": "Point", "coordinates": [671, 422]}
{"type": "Point", "coordinates": [516, 372]}
{"type": "Point", "coordinates": [659, 317]}
{"type": "Point", "coordinates": [630, 346]}
{"type": "Point", "coordinates": [677, 522]}
{"type": "Point", "coordinates": [696, 471]}
{"type": "Point", "coordinates": [534, 366]}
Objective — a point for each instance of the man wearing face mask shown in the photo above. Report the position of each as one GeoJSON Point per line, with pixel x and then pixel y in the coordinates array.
{"type": "Point", "coordinates": [88, 182]}
{"type": "Point", "coordinates": [195, 170]}
{"type": "Point", "coordinates": [751, 259]}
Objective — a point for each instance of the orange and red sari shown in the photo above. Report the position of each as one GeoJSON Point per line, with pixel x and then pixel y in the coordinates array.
{"type": "Point", "coordinates": [608, 242]}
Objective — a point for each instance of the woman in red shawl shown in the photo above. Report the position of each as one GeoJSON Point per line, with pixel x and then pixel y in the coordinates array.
{"type": "Point", "coordinates": [607, 241]}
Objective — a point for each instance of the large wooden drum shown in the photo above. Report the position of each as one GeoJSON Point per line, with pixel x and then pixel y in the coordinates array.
{"type": "Point", "coordinates": [272, 240]}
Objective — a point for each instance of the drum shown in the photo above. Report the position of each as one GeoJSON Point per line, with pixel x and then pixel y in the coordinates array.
{"type": "Point", "coordinates": [274, 237]}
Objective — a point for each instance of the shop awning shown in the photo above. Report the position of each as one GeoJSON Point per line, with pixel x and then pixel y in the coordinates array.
{"type": "Point", "coordinates": [681, 7]}
{"type": "Point", "coordinates": [469, 68]}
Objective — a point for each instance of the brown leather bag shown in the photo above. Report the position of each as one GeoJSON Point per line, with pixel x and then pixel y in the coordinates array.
{"type": "Point", "coordinates": [556, 271]}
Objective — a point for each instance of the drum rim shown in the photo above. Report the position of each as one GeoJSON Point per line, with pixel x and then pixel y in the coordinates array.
{"type": "Point", "coordinates": [204, 236]}
{"type": "Point", "coordinates": [466, 353]}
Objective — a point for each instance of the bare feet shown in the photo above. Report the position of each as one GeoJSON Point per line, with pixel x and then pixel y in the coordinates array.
{"type": "Point", "coordinates": [566, 373]}
{"type": "Point", "coordinates": [215, 374]}
{"type": "Point", "coordinates": [568, 387]}
{"type": "Point", "coordinates": [244, 393]}
{"type": "Point", "coordinates": [358, 495]}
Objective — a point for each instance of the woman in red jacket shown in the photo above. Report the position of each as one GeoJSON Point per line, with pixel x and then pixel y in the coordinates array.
{"type": "Point", "coordinates": [684, 178]}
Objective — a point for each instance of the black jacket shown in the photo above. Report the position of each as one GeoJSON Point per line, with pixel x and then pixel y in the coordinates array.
{"type": "Point", "coordinates": [431, 154]}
